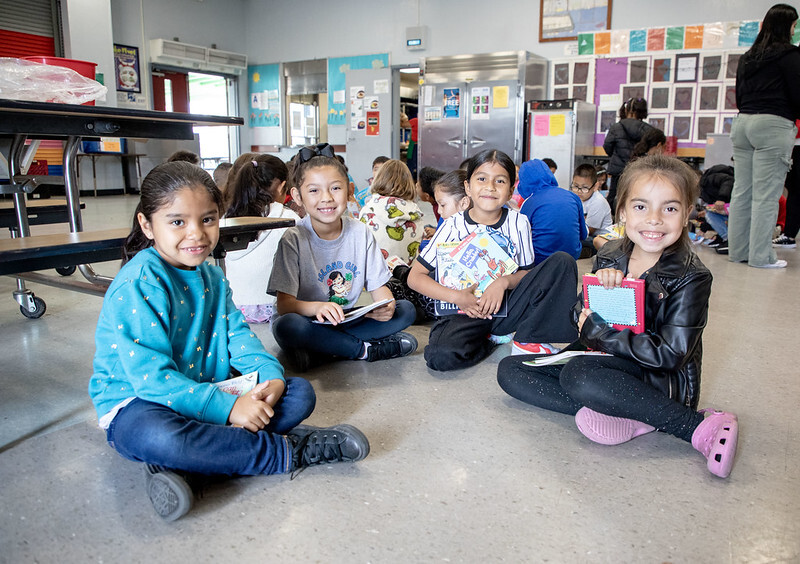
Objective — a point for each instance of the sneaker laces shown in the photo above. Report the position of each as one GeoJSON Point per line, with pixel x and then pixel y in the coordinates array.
{"type": "Point", "coordinates": [315, 448]}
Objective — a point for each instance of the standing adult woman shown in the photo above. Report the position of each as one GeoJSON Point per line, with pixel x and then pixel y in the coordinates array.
{"type": "Point", "coordinates": [768, 98]}
{"type": "Point", "coordinates": [622, 137]}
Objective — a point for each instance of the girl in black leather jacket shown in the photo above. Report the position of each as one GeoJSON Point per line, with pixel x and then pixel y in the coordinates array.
{"type": "Point", "coordinates": [649, 380]}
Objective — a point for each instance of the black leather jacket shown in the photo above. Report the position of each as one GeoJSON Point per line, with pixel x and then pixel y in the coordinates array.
{"type": "Point", "coordinates": [670, 350]}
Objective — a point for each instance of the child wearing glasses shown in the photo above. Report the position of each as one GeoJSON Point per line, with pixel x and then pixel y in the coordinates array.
{"type": "Point", "coordinates": [321, 267]}
{"type": "Point", "coordinates": [556, 215]}
{"type": "Point", "coordinates": [596, 211]}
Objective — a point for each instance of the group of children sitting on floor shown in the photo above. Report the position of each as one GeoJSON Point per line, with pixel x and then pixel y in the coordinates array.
{"type": "Point", "coordinates": [173, 331]}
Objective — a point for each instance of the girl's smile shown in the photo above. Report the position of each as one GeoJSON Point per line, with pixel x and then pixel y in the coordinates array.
{"type": "Point", "coordinates": [489, 188]}
{"type": "Point", "coordinates": [185, 231]}
{"type": "Point", "coordinates": [323, 194]}
{"type": "Point", "coordinates": [654, 216]}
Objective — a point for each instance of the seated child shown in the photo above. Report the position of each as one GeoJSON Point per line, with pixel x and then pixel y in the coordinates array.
{"type": "Point", "coordinates": [221, 176]}
{"type": "Point", "coordinates": [321, 267]}
{"type": "Point", "coordinates": [426, 178]}
{"type": "Point", "coordinates": [596, 211]}
{"type": "Point", "coordinates": [555, 214]}
{"type": "Point", "coordinates": [362, 195]}
{"type": "Point", "coordinates": [258, 189]}
{"type": "Point", "coordinates": [452, 199]}
{"type": "Point", "coordinates": [392, 215]}
{"type": "Point", "coordinates": [167, 337]}
{"type": "Point", "coordinates": [651, 380]}
{"type": "Point", "coordinates": [538, 298]}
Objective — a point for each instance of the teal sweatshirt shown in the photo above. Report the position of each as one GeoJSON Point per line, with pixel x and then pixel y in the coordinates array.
{"type": "Point", "coordinates": [165, 334]}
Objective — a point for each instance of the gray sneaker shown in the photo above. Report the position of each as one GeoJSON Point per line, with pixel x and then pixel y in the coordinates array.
{"type": "Point", "coordinates": [324, 445]}
{"type": "Point", "coordinates": [169, 493]}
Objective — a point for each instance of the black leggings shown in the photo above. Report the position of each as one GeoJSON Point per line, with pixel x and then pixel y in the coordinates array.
{"type": "Point", "coordinates": [605, 384]}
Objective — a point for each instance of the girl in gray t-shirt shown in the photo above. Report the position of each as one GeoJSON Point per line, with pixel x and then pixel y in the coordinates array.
{"type": "Point", "coordinates": [321, 267]}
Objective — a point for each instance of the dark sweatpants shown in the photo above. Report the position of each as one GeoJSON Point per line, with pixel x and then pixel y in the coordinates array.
{"type": "Point", "coordinates": [539, 310]}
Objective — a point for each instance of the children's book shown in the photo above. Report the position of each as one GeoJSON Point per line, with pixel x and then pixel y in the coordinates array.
{"type": "Point", "coordinates": [477, 260]}
{"type": "Point", "coordinates": [355, 313]}
{"type": "Point", "coordinates": [239, 385]}
{"type": "Point", "coordinates": [561, 357]}
{"type": "Point", "coordinates": [622, 307]}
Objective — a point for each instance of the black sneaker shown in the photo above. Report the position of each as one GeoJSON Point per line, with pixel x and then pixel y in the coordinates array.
{"type": "Point", "coordinates": [716, 242]}
{"type": "Point", "coordinates": [169, 493]}
{"type": "Point", "coordinates": [722, 249]}
{"type": "Point", "coordinates": [324, 445]}
{"type": "Point", "coordinates": [393, 346]}
{"type": "Point", "coordinates": [784, 242]}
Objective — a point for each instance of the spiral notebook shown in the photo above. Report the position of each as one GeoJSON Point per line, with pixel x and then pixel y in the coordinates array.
{"type": "Point", "coordinates": [622, 307]}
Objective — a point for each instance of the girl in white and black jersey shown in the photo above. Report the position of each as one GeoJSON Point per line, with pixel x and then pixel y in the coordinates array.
{"type": "Point", "coordinates": [538, 298]}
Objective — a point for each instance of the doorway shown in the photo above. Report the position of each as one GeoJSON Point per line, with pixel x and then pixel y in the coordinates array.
{"type": "Point", "coordinates": [176, 90]}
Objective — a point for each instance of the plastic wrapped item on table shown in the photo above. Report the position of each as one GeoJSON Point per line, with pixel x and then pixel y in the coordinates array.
{"type": "Point", "coordinates": [36, 82]}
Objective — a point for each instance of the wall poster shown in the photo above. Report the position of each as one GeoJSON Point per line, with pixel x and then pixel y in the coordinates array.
{"type": "Point", "coordinates": [126, 68]}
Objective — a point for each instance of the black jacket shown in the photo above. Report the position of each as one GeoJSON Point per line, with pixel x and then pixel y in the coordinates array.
{"type": "Point", "coordinates": [769, 83]}
{"type": "Point", "coordinates": [670, 350]}
{"type": "Point", "coordinates": [717, 184]}
{"type": "Point", "coordinates": [621, 138]}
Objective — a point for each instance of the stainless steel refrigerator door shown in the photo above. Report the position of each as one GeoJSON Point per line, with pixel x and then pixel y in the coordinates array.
{"type": "Point", "coordinates": [369, 120]}
{"type": "Point", "coordinates": [494, 118]}
{"type": "Point", "coordinates": [442, 125]}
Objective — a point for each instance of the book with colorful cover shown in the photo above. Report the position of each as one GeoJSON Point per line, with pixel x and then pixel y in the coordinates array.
{"type": "Point", "coordinates": [622, 307]}
{"type": "Point", "coordinates": [477, 260]}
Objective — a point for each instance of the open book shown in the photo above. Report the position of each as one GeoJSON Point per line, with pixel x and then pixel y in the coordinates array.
{"type": "Point", "coordinates": [561, 357]}
{"type": "Point", "coordinates": [477, 260]}
{"type": "Point", "coordinates": [355, 313]}
{"type": "Point", "coordinates": [622, 307]}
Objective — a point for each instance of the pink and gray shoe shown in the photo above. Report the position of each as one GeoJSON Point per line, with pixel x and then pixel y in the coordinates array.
{"type": "Point", "coordinates": [716, 439]}
{"type": "Point", "coordinates": [608, 430]}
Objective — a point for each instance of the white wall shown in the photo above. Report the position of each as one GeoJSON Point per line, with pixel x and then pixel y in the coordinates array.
{"type": "Point", "coordinates": [271, 31]}
{"type": "Point", "coordinates": [292, 31]}
{"type": "Point", "coordinates": [88, 37]}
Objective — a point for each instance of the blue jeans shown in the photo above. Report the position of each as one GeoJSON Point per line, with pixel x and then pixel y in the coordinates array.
{"type": "Point", "coordinates": [294, 331]}
{"type": "Point", "coordinates": [718, 222]}
{"type": "Point", "coordinates": [762, 145]}
{"type": "Point", "coordinates": [149, 432]}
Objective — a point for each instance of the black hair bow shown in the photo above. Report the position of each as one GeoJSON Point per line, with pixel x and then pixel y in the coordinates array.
{"type": "Point", "coordinates": [321, 150]}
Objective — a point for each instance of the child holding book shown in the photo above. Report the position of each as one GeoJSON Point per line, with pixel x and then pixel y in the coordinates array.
{"type": "Point", "coordinates": [169, 333]}
{"type": "Point", "coordinates": [451, 198]}
{"type": "Point", "coordinates": [651, 381]}
{"type": "Point", "coordinates": [321, 267]}
{"type": "Point", "coordinates": [257, 189]}
{"type": "Point", "coordinates": [539, 298]}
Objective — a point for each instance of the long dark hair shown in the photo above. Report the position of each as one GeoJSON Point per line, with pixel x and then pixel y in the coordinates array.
{"type": "Point", "coordinates": [158, 190]}
{"type": "Point", "coordinates": [775, 29]}
{"type": "Point", "coordinates": [670, 169]}
{"type": "Point", "coordinates": [493, 156]}
{"type": "Point", "coordinates": [250, 192]}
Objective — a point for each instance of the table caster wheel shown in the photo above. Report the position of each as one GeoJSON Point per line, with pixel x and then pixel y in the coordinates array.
{"type": "Point", "coordinates": [39, 308]}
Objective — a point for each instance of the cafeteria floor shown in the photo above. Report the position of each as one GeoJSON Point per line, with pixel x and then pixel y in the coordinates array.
{"type": "Point", "coordinates": [458, 471]}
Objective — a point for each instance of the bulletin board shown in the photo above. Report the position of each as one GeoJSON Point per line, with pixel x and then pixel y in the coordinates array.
{"type": "Point", "coordinates": [337, 66]}
{"type": "Point", "coordinates": [687, 74]}
{"type": "Point", "coordinates": [264, 87]}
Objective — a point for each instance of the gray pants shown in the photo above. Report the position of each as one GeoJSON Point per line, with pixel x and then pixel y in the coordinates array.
{"type": "Point", "coordinates": [762, 145]}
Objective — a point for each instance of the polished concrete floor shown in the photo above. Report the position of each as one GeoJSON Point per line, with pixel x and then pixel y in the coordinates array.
{"type": "Point", "coordinates": [459, 472]}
